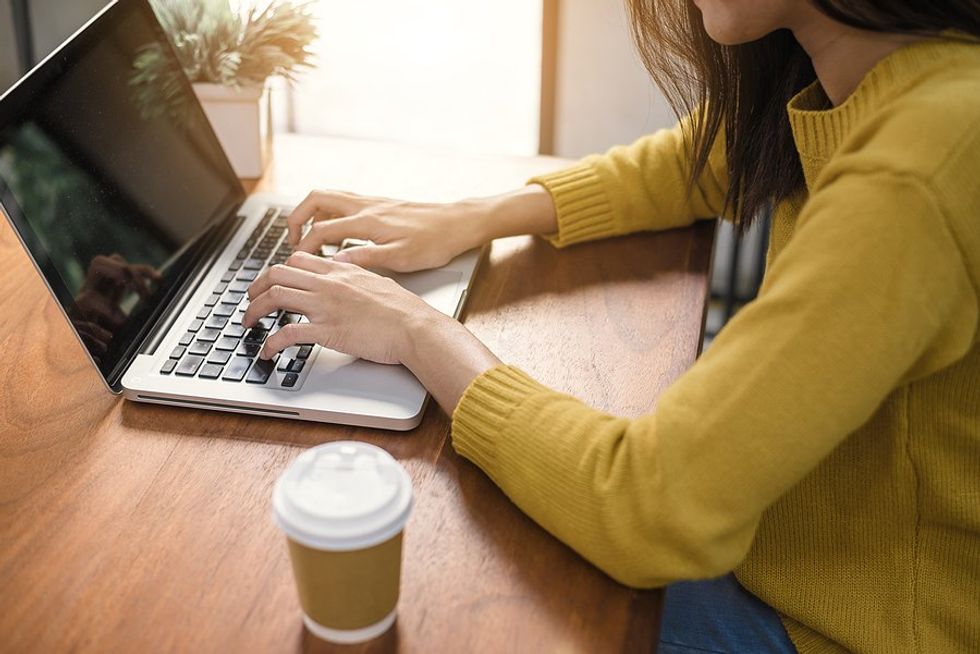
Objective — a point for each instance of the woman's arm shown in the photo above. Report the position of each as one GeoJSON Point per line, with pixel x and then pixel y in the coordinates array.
{"type": "Point", "coordinates": [644, 186]}
{"type": "Point", "coordinates": [871, 292]}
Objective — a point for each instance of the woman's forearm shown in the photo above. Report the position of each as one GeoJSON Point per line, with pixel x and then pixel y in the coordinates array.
{"type": "Point", "coordinates": [529, 210]}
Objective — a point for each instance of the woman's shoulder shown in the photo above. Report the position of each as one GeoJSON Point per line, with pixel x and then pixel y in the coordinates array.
{"type": "Point", "coordinates": [930, 121]}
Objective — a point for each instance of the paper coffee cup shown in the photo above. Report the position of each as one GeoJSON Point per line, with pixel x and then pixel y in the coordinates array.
{"type": "Point", "coordinates": [343, 507]}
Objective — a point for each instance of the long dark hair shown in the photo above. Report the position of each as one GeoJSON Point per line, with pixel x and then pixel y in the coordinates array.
{"type": "Point", "coordinates": [744, 89]}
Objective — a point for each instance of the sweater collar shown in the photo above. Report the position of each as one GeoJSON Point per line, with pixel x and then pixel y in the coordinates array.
{"type": "Point", "coordinates": [819, 129]}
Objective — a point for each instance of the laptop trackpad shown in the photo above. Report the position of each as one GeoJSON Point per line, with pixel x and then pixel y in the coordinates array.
{"type": "Point", "coordinates": [440, 288]}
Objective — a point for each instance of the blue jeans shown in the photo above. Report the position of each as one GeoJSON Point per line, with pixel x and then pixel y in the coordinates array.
{"type": "Point", "coordinates": [718, 615]}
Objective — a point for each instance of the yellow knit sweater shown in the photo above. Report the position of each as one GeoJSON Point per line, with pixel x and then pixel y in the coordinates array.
{"type": "Point", "coordinates": [827, 445]}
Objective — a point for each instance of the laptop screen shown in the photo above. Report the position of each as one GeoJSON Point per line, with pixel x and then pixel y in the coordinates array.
{"type": "Point", "coordinates": [113, 178]}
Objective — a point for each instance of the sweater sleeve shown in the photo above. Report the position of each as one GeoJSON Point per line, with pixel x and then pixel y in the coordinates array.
{"type": "Point", "coordinates": [870, 293]}
{"type": "Point", "coordinates": [643, 186]}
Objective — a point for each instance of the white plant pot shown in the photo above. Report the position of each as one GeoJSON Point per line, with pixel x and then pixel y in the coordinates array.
{"type": "Point", "coordinates": [242, 120]}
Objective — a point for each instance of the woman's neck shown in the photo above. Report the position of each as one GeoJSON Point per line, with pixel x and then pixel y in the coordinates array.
{"type": "Point", "coordinates": [843, 55]}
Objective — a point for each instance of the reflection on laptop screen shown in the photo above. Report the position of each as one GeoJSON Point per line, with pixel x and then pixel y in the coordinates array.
{"type": "Point", "coordinates": [111, 174]}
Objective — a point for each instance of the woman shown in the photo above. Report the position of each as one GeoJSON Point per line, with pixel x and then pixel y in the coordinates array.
{"type": "Point", "coordinates": [827, 446]}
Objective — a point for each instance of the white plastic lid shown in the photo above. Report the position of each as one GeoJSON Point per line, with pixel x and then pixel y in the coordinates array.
{"type": "Point", "coordinates": [342, 496]}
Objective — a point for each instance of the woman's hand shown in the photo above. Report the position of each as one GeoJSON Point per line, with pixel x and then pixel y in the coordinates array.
{"type": "Point", "coordinates": [357, 312]}
{"type": "Point", "coordinates": [406, 236]}
{"type": "Point", "coordinates": [409, 236]}
{"type": "Point", "coordinates": [349, 309]}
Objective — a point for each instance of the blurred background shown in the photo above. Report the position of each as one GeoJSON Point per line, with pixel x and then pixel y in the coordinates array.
{"type": "Point", "coordinates": [513, 77]}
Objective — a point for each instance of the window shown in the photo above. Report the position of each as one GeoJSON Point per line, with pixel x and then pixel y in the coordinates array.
{"type": "Point", "coordinates": [462, 74]}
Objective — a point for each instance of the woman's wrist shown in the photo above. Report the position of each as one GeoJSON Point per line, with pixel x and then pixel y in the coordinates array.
{"type": "Point", "coordinates": [445, 356]}
{"type": "Point", "coordinates": [529, 210]}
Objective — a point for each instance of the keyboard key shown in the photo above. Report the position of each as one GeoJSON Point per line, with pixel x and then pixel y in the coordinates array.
{"type": "Point", "coordinates": [224, 310]}
{"type": "Point", "coordinates": [296, 365]}
{"type": "Point", "coordinates": [209, 335]}
{"type": "Point", "coordinates": [256, 335]}
{"type": "Point", "coordinates": [232, 298]}
{"type": "Point", "coordinates": [284, 364]}
{"type": "Point", "coordinates": [228, 276]}
{"type": "Point", "coordinates": [212, 300]}
{"type": "Point", "coordinates": [226, 343]}
{"type": "Point", "coordinates": [254, 264]}
{"type": "Point", "coordinates": [304, 352]}
{"type": "Point", "coordinates": [239, 287]}
{"type": "Point", "coordinates": [220, 288]}
{"type": "Point", "coordinates": [250, 350]}
{"type": "Point", "coordinates": [235, 331]}
{"type": "Point", "coordinates": [210, 371]}
{"type": "Point", "coordinates": [242, 254]}
{"type": "Point", "coordinates": [288, 319]}
{"type": "Point", "coordinates": [261, 371]}
{"type": "Point", "coordinates": [219, 357]}
{"type": "Point", "coordinates": [236, 264]}
{"type": "Point", "coordinates": [266, 323]}
{"type": "Point", "coordinates": [203, 313]}
{"type": "Point", "coordinates": [189, 365]}
{"type": "Point", "coordinates": [217, 322]}
{"type": "Point", "coordinates": [247, 275]}
{"type": "Point", "coordinates": [178, 352]}
{"type": "Point", "coordinates": [168, 366]}
{"type": "Point", "coordinates": [200, 348]}
{"type": "Point", "coordinates": [236, 369]}
{"type": "Point", "coordinates": [288, 381]}
{"type": "Point", "coordinates": [186, 338]}
{"type": "Point", "coordinates": [195, 325]}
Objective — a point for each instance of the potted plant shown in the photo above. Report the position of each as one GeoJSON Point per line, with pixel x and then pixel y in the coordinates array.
{"type": "Point", "coordinates": [229, 57]}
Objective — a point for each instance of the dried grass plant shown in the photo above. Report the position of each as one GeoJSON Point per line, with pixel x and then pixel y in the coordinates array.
{"type": "Point", "coordinates": [219, 45]}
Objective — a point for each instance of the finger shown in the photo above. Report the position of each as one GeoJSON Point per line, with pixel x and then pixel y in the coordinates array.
{"type": "Point", "coordinates": [325, 203]}
{"type": "Point", "coordinates": [146, 271]}
{"type": "Point", "coordinates": [332, 231]}
{"type": "Point", "coordinates": [277, 297]}
{"type": "Point", "coordinates": [367, 256]}
{"type": "Point", "coordinates": [289, 335]}
{"type": "Point", "coordinates": [311, 263]}
{"type": "Point", "coordinates": [107, 268]}
{"type": "Point", "coordinates": [283, 276]}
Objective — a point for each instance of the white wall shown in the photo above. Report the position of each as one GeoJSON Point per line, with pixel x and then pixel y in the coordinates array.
{"type": "Point", "coordinates": [604, 96]}
{"type": "Point", "coordinates": [56, 20]}
{"type": "Point", "coordinates": [9, 66]}
{"type": "Point", "coordinates": [53, 21]}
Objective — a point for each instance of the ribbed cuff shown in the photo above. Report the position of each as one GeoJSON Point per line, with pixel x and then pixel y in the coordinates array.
{"type": "Point", "coordinates": [482, 413]}
{"type": "Point", "coordinates": [584, 210]}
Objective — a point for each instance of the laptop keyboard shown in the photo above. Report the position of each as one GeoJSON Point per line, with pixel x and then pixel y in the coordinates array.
{"type": "Point", "coordinates": [216, 346]}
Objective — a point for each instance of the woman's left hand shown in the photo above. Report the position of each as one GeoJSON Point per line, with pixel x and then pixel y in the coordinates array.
{"type": "Point", "coordinates": [349, 309]}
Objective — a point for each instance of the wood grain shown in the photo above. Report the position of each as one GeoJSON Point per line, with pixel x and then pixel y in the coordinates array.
{"type": "Point", "coordinates": [127, 527]}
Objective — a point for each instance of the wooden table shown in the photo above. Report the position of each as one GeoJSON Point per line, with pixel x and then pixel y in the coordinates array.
{"type": "Point", "coordinates": [128, 527]}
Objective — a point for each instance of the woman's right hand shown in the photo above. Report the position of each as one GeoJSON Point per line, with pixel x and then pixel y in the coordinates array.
{"type": "Point", "coordinates": [405, 236]}
{"type": "Point", "coordinates": [410, 236]}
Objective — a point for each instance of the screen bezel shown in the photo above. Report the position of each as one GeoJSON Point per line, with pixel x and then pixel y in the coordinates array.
{"type": "Point", "coordinates": [14, 106]}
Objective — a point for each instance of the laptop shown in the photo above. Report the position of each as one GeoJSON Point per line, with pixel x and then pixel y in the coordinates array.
{"type": "Point", "coordinates": [117, 187]}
